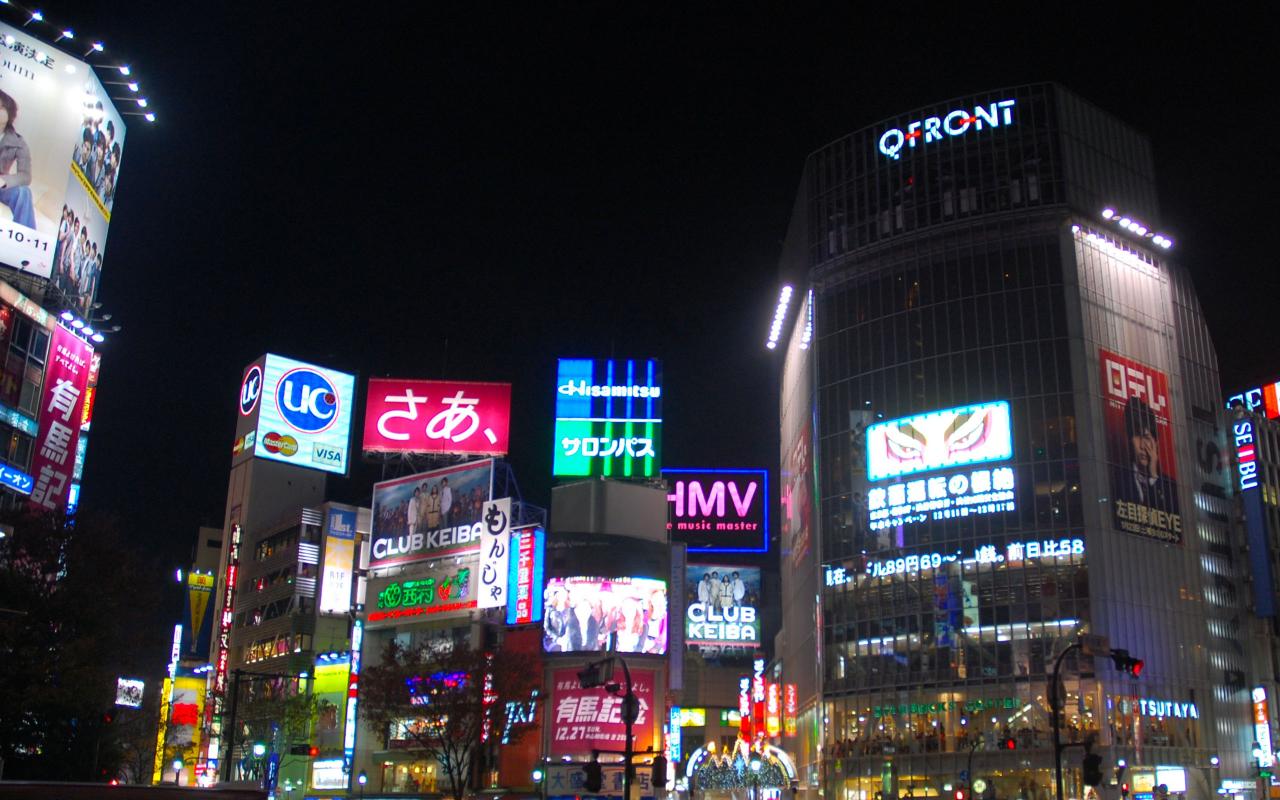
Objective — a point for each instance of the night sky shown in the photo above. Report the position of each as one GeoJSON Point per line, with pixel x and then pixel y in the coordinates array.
{"type": "Point", "coordinates": [472, 190]}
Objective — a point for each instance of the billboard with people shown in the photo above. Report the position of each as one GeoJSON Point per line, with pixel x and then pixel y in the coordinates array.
{"type": "Point", "coordinates": [61, 146]}
{"type": "Point", "coordinates": [593, 615]}
{"type": "Point", "coordinates": [430, 514]}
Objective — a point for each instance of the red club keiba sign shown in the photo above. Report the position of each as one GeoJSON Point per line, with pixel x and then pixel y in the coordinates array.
{"type": "Point", "coordinates": [419, 416]}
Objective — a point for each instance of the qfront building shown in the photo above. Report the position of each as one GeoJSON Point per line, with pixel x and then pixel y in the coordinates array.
{"type": "Point", "coordinates": [997, 393]}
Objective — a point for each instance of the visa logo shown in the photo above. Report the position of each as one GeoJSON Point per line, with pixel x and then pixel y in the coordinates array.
{"type": "Point", "coordinates": [328, 455]}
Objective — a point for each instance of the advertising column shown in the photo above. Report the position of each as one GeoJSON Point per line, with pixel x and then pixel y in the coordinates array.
{"type": "Point", "coordinates": [61, 401]}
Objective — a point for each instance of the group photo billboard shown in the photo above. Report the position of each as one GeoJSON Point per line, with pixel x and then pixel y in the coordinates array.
{"type": "Point", "coordinates": [430, 514]}
{"type": "Point", "coordinates": [1139, 429]}
{"type": "Point", "coordinates": [719, 510]}
{"type": "Point", "coordinates": [596, 615]}
{"type": "Point", "coordinates": [61, 145]}
{"type": "Point", "coordinates": [608, 418]}
{"type": "Point", "coordinates": [722, 605]}
{"type": "Point", "coordinates": [443, 417]}
{"type": "Point", "coordinates": [583, 720]}
{"type": "Point", "coordinates": [303, 414]}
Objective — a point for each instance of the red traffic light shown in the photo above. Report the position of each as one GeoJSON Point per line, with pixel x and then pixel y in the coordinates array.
{"type": "Point", "coordinates": [1009, 743]}
{"type": "Point", "coordinates": [1135, 669]}
{"type": "Point", "coordinates": [313, 751]}
{"type": "Point", "coordinates": [959, 794]}
{"type": "Point", "coordinates": [1124, 790]}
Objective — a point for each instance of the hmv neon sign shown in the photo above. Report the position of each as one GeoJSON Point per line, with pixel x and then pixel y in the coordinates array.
{"type": "Point", "coordinates": [935, 129]}
{"type": "Point", "coordinates": [718, 510]}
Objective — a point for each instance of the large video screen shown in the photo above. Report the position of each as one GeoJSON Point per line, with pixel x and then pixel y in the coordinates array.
{"type": "Point", "coordinates": [946, 445]}
{"type": "Point", "coordinates": [596, 615]}
{"type": "Point", "coordinates": [63, 142]}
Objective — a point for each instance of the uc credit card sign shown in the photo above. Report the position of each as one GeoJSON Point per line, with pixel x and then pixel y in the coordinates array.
{"type": "Point", "coordinates": [304, 414]}
{"type": "Point", "coordinates": [608, 418]}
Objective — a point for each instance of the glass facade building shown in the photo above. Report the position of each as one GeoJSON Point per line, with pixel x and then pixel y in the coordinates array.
{"type": "Point", "coordinates": [994, 402]}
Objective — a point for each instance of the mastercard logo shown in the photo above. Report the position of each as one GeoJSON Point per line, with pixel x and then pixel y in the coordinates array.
{"type": "Point", "coordinates": [284, 445]}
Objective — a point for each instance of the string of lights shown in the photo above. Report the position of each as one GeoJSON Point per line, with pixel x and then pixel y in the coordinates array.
{"type": "Point", "coordinates": [62, 36]}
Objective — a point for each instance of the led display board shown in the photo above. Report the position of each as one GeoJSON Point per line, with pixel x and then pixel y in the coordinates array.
{"type": "Point", "coordinates": [719, 510]}
{"type": "Point", "coordinates": [339, 561]}
{"type": "Point", "coordinates": [524, 578]}
{"type": "Point", "coordinates": [1013, 553]}
{"type": "Point", "coordinates": [129, 692]}
{"type": "Point", "coordinates": [1140, 448]}
{"type": "Point", "coordinates": [583, 720]}
{"type": "Point", "coordinates": [940, 447]}
{"type": "Point", "coordinates": [443, 417]}
{"type": "Point", "coordinates": [608, 418]}
{"type": "Point", "coordinates": [54, 455]}
{"type": "Point", "coordinates": [1266, 398]}
{"type": "Point", "coordinates": [722, 605]}
{"type": "Point", "coordinates": [430, 514]}
{"type": "Point", "coordinates": [593, 615]}
{"type": "Point", "coordinates": [446, 590]}
{"type": "Point", "coordinates": [67, 142]}
{"type": "Point", "coordinates": [303, 413]}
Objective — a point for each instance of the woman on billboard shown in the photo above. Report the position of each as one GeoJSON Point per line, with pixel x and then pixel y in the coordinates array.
{"type": "Point", "coordinates": [15, 165]}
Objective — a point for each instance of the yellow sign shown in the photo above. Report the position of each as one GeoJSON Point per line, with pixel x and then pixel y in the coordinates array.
{"type": "Point", "coordinates": [693, 717]}
{"type": "Point", "coordinates": [199, 590]}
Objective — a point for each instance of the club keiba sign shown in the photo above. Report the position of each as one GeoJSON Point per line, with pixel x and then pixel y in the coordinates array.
{"type": "Point", "coordinates": [942, 448]}
{"type": "Point", "coordinates": [722, 605]}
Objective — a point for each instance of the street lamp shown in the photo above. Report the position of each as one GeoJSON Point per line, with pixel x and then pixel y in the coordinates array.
{"type": "Point", "coordinates": [362, 779]}
{"type": "Point", "coordinates": [177, 770]}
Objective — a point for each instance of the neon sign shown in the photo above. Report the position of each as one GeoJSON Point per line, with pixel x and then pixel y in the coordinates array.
{"type": "Point", "coordinates": [608, 418]}
{"type": "Point", "coordinates": [956, 123]}
{"type": "Point", "coordinates": [1265, 397]}
{"type": "Point", "coordinates": [1262, 727]}
{"type": "Point", "coordinates": [1255, 519]}
{"type": "Point", "coordinates": [1160, 709]}
{"type": "Point", "coordinates": [719, 510]}
{"type": "Point", "coordinates": [1246, 455]}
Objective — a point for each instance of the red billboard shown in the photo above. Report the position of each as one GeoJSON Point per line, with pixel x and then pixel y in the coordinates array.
{"type": "Point", "coordinates": [1139, 427]}
{"type": "Point", "coordinates": [66, 378]}
{"type": "Point", "coordinates": [591, 719]}
{"type": "Point", "coordinates": [420, 416]}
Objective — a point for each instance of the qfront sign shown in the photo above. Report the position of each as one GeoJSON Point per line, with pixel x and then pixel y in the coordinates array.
{"type": "Point", "coordinates": [295, 413]}
{"type": "Point", "coordinates": [608, 418]}
{"type": "Point", "coordinates": [719, 510]}
{"type": "Point", "coordinates": [956, 123]}
{"type": "Point", "coordinates": [447, 417]}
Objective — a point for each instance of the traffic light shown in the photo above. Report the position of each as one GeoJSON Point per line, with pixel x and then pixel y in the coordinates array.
{"type": "Point", "coordinates": [595, 777]}
{"type": "Point", "coordinates": [1092, 768]}
{"type": "Point", "coordinates": [1008, 743]}
{"type": "Point", "coordinates": [308, 750]}
{"type": "Point", "coordinates": [109, 716]}
{"type": "Point", "coordinates": [959, 794]}
{"type": "Point", "coordinates": [660, 771]}
{"type": "Point", "coordinates": [1127, 663]}
{"type": "Point", "coordinates": [1124, 789]}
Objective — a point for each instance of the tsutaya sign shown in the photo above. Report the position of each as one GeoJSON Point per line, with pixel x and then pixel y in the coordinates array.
{"type": "Point", "coordinates": [956, 123]}
{"type": "Point", "coordinates": [1168, 708]}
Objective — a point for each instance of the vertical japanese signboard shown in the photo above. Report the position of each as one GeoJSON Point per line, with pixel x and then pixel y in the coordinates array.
{"type": "Point", "coordinates": [1139, 428]}
{"type": "Point", "coordinates": [447, 417]}
{"type": "Point", "coordinates": [61, 402]}
{"type": "Point", "coordinates": [495, 554]}
{"type": "Point", "coordinates": [608, 418]}
{"type": "Point", "coordinates": [524, 579]}
{"type": "Point", "coordinates": [790, 707]}
{"type": "Point", "coordinates": [339, 561]}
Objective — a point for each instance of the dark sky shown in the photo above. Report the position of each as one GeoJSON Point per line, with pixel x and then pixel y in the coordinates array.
{"type": "Point", "coordinates": [471, 190]}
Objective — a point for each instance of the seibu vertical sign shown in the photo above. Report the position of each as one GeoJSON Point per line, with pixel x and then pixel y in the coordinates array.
{"type": "Point", "coordinates": [66, 380]}
{"type": "Point", "coordinates": [1244, 440]}
{"type": "Point", "coordinates": [719, 510]}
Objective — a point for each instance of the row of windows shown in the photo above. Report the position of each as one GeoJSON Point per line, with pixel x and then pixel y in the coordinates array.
{"type": "Point", "coordinates": [285, 541]}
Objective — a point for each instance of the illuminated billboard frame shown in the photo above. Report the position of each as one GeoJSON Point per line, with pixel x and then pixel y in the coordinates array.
{"type": "Point", "coordinates": [608, 418]}
{"type": "Point", "coordinates": [936, 450]}
{"type": "Point", "coordinates": [562, 625]}
{"type": "Point", "coordinates": [711, 617]}
{"type": "Point", "coordinates": [727, 509]}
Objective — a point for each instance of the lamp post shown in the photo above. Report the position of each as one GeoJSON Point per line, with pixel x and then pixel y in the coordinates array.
{"type": "Point", "coordinates": [362, 779]}
{"type": "Point", "coordinates": [177, 770]}
{"type": "Point", "coordinates": [755, 778]}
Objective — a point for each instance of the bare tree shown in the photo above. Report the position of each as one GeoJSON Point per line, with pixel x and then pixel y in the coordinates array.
{"type": "Point", "coordinates": [443, 700]}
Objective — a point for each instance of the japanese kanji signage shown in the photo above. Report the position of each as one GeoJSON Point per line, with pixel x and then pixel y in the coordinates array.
{"type": "Point", "coordinates": [524, 577]}
{"type": "Point", "coordinates": [1144, 472]}
{"type": "Point", "coordinates": [495, 553]}
{"type": "Point", "coordinates": [61, 402]}
{"type": "Point", "coordinates": [419, 416]}
{"type": "Point", "coordinates": [608, 418]}
{"type": "Point", "coordinates": [587, 719]}
{"type": "Point", "coordinates": [430, 514]}
{"type": "Point", "coordinates": [448, 589]}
